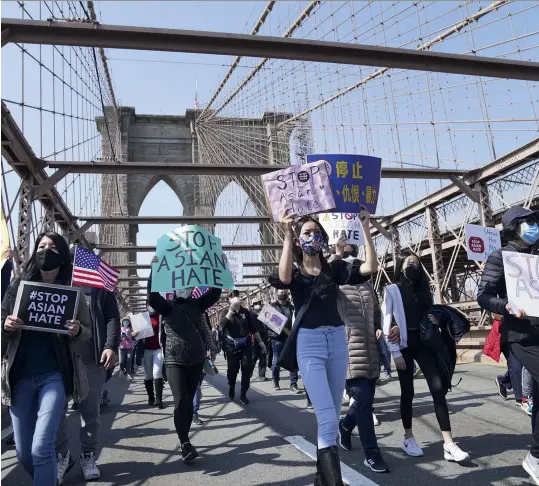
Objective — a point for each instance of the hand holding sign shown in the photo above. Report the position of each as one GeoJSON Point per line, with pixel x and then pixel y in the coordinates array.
{"type": "Point", "coordinates": [521, 314]}
{"type": "Point", "coordinates": [287, 220]}
{"type": "Point", "coordinates": [339, 246]}
{"type": "Point", "coordinates": [13, 323]}
{"type": "Point", "coordinates": [73, 327]}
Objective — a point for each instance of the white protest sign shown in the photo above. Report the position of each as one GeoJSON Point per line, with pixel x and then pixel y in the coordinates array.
{"type": "Point", "coordinates": [235, 263]}
{"type": "Point", "coordinates": [272, 318]}
{"type": "Point", "coordinates": [522, 281]}
{"type": "Point", "coordinates": [142, 325]}
{"type": "Point", "coordinates": [300, 189]}
{"type": "Point", "coordinates": [343, 224]}
{"type": "Point", "coordinates": [481, 242]}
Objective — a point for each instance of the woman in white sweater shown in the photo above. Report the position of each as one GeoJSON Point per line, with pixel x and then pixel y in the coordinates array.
{"type": "Point", "coordinates": [406, 303]}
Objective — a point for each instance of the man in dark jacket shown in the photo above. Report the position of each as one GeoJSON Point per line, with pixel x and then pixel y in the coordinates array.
{"type": "Point", "coordinates": [519, 331]}
{"type": "Point", "coordinates": [258, 355]}
{"type": "Point", "coordinates": [99, 355]}
{"type": "Point", "coordinates": [285, 307]}
{"type": "Point", "coordinates": [237, 324]}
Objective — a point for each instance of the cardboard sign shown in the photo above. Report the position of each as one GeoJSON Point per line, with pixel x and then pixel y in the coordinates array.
{"type": "Point", "coordinates": [189, 257]}
{"type": "Point", "coordinates": [142, 325]}
{"type": "Point", "coordinates": [46, 307]}
{"type": "Point", "coordinates": [301, 189]}
{"type": "Point", "coordinates": [235, 263]}
{"type": "Point", "coordinates": [272, 318]}
{"type": "Point", "coordinates": [522, 282]}
{"type": "Point", "coordinates": [355, 180]}
{"type": "Point", "coordinates": [343, 224]}
{"type": "Point", "coordinates": [481, 242]}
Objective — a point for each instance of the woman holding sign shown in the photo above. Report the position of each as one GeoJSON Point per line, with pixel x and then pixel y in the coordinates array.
{"type": "Point", "coordinates": [40, 369]}
{"type": "Point", "coordinates": [317, 343]}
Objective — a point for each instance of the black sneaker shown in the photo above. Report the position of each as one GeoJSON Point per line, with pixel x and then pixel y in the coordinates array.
{"type": "Point", "coordinates": [231, 392]}
{"type": "Point", "coordinates": [276, 386]}
{"type": "Point", "coordinates": [74, 406]}
{"type": "Point", "coordinates": [196, 419]}
{"type": "Point", "coordinates": [295, 389]}
{"type": "Point", "coordinates": [189, 453]}
{"type": "Point", "coordinates": [244, 399]}
{"type": "Point", "coordinates": [377, 464]}
{"type": "Point", "coordinates": [501, 388]}
{"type": "Point", "coordinates": [346, 437]}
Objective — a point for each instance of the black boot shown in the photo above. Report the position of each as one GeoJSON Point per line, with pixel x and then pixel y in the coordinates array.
{"type": "Point", "coordinates": [159, 393]}
{"type": "Point", "coordinates": [149, 390]}
{"type": "Point", "coordinates": [330, 465]}
{"type": "Point", "coordinates": [319, 476]}
{"type": "Point", "coordinates": [231, 391]}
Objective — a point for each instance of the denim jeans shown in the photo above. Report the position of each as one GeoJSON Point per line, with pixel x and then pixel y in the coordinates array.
{"type": "Point", "coordinates": [384, 355]}
{"type": "Point", "coordinates": [198, 395]}
{"type": "Point", "coordinates": [126, 359]}
{"type": "Point", "coordinates": [276, 370]}
{"type": "Point", "coordinates": [512, 379]}
{"type": "Point", "coordinates": [36, 410]}
{"type": "Point", "coordinates": [527, 385]}
{"type": "Point", "coordinates": [362, 390]}
{"type": "Point", "coordinates": [323, 359]}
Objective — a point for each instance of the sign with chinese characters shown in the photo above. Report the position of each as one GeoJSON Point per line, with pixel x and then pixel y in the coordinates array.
{"type": "Point", "coordinates": [300, 189]}
{"type": "Point", "coordinates": [355, 180]}
{"type": "Point", "coordinates": [235, 263]}
{"type": "Point", "coordinates": [190, 257]}
{"type": "Point", "coordinates": [343, 224]}
{"type": "Point", "coordinates": [481, 242]}
{"type": "Point", "coordinates": [522, 282]}
{"type": "Point", "coordinates": [272, 318]}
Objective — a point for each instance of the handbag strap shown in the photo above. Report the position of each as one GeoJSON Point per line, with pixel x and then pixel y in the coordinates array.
{"type": "Point", "coordinates": [194, 327]}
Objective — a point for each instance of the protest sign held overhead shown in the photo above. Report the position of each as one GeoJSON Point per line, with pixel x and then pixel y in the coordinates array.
{"type": "Point", "coordinates": [300, 189]}
{"type": "Point", "coordinates": [235, 263]}
{"type": "Point", "coordinates": [355, 180]}
{"type": "Point", "coordinates": [481, 242]}
{"type": "Point", "coordinates": [189, 257]}
{"type": "Point", "coordinates": [522, 282]}
{"type": "Point", "coordinates": [272, 318]}
{"type": "Point", "coordinates": [343, 224]}
{"type": "Point", "coordinates": [46, 307]}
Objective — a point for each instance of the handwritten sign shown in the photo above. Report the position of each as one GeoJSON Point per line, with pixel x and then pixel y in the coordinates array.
{"type": "Point", "coordinates": [142, 324]}
{"type": "Point", "coordinates": [189, 257]}
{"type": "Point", "coordinates": [235, 263]}
{"type": "Point", "coordinates": [272, 318]}
{"type": "Point", "coordinates": [355, 180]}
{"type": "Point", "coordinates": [46, 307]}
{"type": "Point", "coordinates": [481, 242]}
{"type": "Point", "coordinates": [343, 224]}
{"type": "Point", "coordinates": [300, 189]}
{"type": "Point", "coordinates": [522, 281]}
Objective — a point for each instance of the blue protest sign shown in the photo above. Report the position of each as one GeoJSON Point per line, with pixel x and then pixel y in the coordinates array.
{"type": "Point", "coordinates": [190, 257]}
{"type": "Point", "coordinates": [355, 180]}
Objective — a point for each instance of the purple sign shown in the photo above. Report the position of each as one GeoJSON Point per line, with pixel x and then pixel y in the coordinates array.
{"type": "Point", "coordinates": [355, 180]}
{"type": "Point", "coordinates": [300, 189]}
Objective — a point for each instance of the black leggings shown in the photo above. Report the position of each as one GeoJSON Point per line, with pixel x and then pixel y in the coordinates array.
{"type": "Point", "coordinates": [183, 382]}
{"type": "Point", "coordinates": [426, 360]}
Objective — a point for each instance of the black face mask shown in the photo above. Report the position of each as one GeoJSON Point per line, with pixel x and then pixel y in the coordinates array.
{"type": "Point", "coordinates": [48, 260]}
{"type": "Point", "coordinates": [413, 272]}
{"type": "Point", "coordinates": [282, 297]}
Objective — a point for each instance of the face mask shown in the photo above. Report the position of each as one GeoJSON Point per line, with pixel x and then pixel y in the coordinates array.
{"type": "Point", "coordinates": [48, 260]}
{"type": "Point", "coordinates": [413, 272]}
{"type": "Point", "coordinates": [257, 308]}
{"type": "Point", "coordinates": [125, 323]}
{"type": "Point", "coordinates": [312, 245]}
{"type": "Point", "coordinates": [282, 297]}
{"type": "Point", "coordinates": [182, 293]}
{"type": "Point", "coordinates": [349, 259]}
{"type": "Point", "coordinates": [529, 233]}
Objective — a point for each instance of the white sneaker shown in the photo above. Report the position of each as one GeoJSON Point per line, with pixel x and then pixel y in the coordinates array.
{"type": "Point", "coordinates": [452, 452]}
{"type": "Point", "coordinates": [531, 466]}
{"type": "Point", "coordinates": [64, 464]}
{"type": "Point", "coordinates": [411, 447]}
{"type": "Point", "coordinates": [88, 467]}
{"type": "Point", "coordinates": [375, 420]}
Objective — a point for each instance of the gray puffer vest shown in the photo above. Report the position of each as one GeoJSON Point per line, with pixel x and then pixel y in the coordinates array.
{"type": "Point", "coordinates": [360, 311]}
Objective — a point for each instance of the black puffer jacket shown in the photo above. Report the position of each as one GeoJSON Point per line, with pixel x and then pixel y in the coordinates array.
{"type": "Point", "coordinates": [183, 325]}
{"type": "Point", "coordinates": [492, 296]}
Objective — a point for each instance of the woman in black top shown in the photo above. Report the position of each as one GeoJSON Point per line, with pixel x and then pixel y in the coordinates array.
{"type": "Point", "coordinates": [322, 351]}
{"type": "Point", "coordinates": [185, 353]}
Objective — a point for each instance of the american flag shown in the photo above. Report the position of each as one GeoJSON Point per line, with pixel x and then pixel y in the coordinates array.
{"type": "Point", "coordinates": [199, 292]}
{"type": "Point", "coordinates": [90, 270]}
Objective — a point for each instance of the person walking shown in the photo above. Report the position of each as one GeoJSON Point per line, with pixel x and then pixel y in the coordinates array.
{"type": "Point", "coordinates": [41, 369]}
{"type": "Point", "coordinates": [237, 324]}
{"type": "Point", "coordinates": [520, 332]}
{"type": "Point", "coordinates": [258, 355]}
{"type": "Point", "coordinates": [127, 344]}
{"type": "Point", "coordinates": [407, 303]}
{"type": "Point", "coordinates": [318, 331]}
{"type": "Point", "coordinates": [184, 353]}
{"type": "Point", "coordinates": [99, 355]}
{"type": "Point", "coordinates": [153, 362]}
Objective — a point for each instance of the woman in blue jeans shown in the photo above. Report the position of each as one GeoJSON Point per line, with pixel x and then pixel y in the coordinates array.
{"type": "Point", "coordinates": [322, 351]}
{"type": "Point", "coordinates": [39, 369]}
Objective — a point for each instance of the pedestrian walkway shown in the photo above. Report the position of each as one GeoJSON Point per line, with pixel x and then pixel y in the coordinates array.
{"type": "Point", "coordinates": [246, 446]}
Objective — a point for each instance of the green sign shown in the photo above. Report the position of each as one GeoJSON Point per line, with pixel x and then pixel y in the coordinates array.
{"type": "Point", "coordinates": [190, 257]}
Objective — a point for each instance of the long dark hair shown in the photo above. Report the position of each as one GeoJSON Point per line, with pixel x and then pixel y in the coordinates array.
{"type": "Point", "coordinates": [30, 270]}
{"type": "Point", "coordinates": [419, 287]}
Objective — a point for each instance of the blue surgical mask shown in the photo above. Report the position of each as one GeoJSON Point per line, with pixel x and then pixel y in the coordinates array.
{"type": "Point", "coordinates": [313, 244]}
{"type": "Point", "coordinates": [529, 233]}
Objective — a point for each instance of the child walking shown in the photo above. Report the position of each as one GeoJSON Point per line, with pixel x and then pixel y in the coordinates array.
{"type": "Point", "coordinates": [127, 343]}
